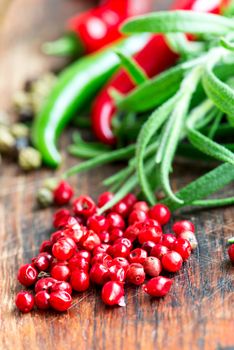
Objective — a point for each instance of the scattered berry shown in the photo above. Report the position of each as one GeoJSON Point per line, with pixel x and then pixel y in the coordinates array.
{"type": "Point", "coordinates": [113, 294]}
{"type": "Point", "coordinates": [63, 193]}
{"type": "Point", "coordinates": [152, 266]}
{"type": "Point", "coordinates": [60, 301]}
{"type": "Point", "coordinates": [172, 261]}
{"type": "Point", "coordinates": [27, 275]}
{"type": "Point", "coordinates": [158, 286]}
{"type": "Point", "coordinates": [24, 301]}
{"type": "Point", "coordinates": [136, 274]}
{"type": "Point", "coordinates": [160, 213]}
{"type": "Point", "coordinates": [182, 226]}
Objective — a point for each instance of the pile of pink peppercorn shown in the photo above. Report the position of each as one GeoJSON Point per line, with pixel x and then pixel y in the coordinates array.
{"type": "Point", "coordinates": [126, 245]}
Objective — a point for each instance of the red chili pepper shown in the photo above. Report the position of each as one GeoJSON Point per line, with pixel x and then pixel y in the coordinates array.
{"type": "Point", "coordinates": [154, 58]}
{"type": "Point", "coordinates": [93, 29]}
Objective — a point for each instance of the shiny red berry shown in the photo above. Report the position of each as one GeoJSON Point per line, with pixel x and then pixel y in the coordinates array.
{"type": "Point", "coordinates": [115, 221]}
{"type": "Point", "coordinates": [63, 249]}
{"type": "Point", "coordinates": [130, 199]}
{"type": "Point", "coordinates": [117, 273]}
{"type": "Point", "coordinates": [102, 248]}
{"type": "Point", "coordinates": [159, 250]}
{"type": "Point", "coordinates": [161, 213]}
{"type": "Point", "coordinates": [99, 274]}
{"type": "Point", "coordinates": [44, 284]}
{"type": "Point", "coordinates": [42, 300]}
{"type": "Point", "coordinates": [60, 272]}
{"type": "Point", "coordinates": [102, 258]}
{"type": "Point", "coordinates": [24, 301]}
{"type": "Point", "coordinates": [168, 240]}
{"type": "Point", "coordinates": [61, 286]}
{"type": "Point", "coordinates": [137, 255]}
{"type": "Point", "coordinates": [90, 241]}
{"type": "Point", "coordinates": [104, 237]}
{"type": "Point", "coordinates": [152, 266]}
{"type": "Point", "coordinates": [104, 198]}
{"type": "Point", "coordinates": [121, 262]}
{"type": "Point", "coordinates": [60, 301]}
{"type": "Point", "coordinates": [113, 294]}
{"type": "Point", "coordinates": [182, 226]}
{"type": "Point", "coordinates": [115, 234]}
{"type": "Point", "coordinates": [183, 247]}
{"type": "Point", "coordinates": [132, 232]}
{"type": "Point", "coordinates": [27, 275]}
{"type": "Point", "coordinates": [121, 208]}
{"type": "Point", "coordinates": [43, 261]}
{"type": "Point", "coordinates": [98, 223]}
{"type": "Point", "coordinates": [150, 232]}
{"type": "Point", "coordinates": [143, 206]}
{"type": "Point", "coordinates": [137, 216]}
{"type": "Point", "coordinates": [63, 193]}
{"type": "Point", "coordinates": [85, 206]}
{"type": "Point", "coordinates": [135, 274]}
{"type": "Point", "coordinates": [158, 286]}
{"type": "Point", "coordinates": [172, 261]}
{"type": "Point", "coordinates": [231, 253]}
{"type": "Point", "coordinates": [61, 217]}
{"type": "Point", "coordinates": [189, 236]}
{"type": "Point", "coordinates": [78, 262]}
{"type": "Point", "coordinates": [148, 246]}
{"type": "Point", "coordinates": [46, 246]}
{"type": "Point", "coordinates": [119, 250]}
{"type": "Point", "coordinates": [79, 280]}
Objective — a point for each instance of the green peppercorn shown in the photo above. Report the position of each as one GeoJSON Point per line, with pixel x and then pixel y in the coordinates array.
{"type": "Point", "coordinates": [19, 130]}
{"type": "Point", "coordinates": [7, 140]}
{"type": "Point", "coordinates": [51, 183]}
{"type": "Point", "coordinates": [45, 197]}
{"type": "Point", "coordinates": [22, 101]}
{"type": "Point", "coordinates": [29, 159]}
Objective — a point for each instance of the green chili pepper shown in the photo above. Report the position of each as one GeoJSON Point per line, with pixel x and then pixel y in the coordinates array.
{"type": "Point", "coordinates": [75, 88]}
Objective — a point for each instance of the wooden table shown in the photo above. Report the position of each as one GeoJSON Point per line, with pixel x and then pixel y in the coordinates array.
{"type": "Point", "coordinates": [197, 314]}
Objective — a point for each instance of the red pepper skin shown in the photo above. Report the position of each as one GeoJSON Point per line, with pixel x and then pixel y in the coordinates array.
{"type": "Point", "coordinates": [154, 58]}
{"type": "Point", "coordinates": [99, 26]}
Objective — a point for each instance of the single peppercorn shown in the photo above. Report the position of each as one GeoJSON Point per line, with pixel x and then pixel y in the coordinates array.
{"type": "Point", "coordinates": [42, 300]}
{"type": "Point", "coordinates": [183, 225]}
{"type": "Point", "coordinates": [27, 275]}
{"type": "Point", "coordinates": [172, 261]}
{"type": "Point", "coordinates": [45, 197]}
{"type": "Point", "coordinates": [113, 294]}
{"type": "Point", "coordinates": [135, 274]}
{"type": "Point", "coordinates": [161, 213]}
{"type": "Point", "coordinates": [152, 266]}
{"type": "Point", "coordinates": [60, 301]}
{"type": "Point", "coordinates": [158, 286]}
{"type": "Point", "coordinates": [79, 280]}
{"type": "Point", "coordinates": [29, 159]}
{"type": "Point", "coordinates": [63, 193]}
{"type": "Point", "coordinates": [99, 274]}
{"type": "Point", "coordinates": [24, 301]}
{"type": "Point", "coordinates": [137, 255]}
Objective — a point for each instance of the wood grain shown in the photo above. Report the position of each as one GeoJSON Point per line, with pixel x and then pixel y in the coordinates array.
{"type": "Point", "coordinates": [198, 313]}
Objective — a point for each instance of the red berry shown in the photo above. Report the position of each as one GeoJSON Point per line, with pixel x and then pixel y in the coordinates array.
{"type": "Point", "coordinates": [104, 198]}
{"type": "Point", "coordinates": [24, 301]}
{"type": "Point", "coordinates": [231, 253]}
{"type": "Point", "coordinates": [117, 273]}
{"type": "Point", "coordinates": [102, 258]}
{"type": "Point", "coordinates": [46, 246]}
{"type": "Point", "coordinates": [104, 237]}
{"type": "Point", "coordinates": [102, 248]}
{"type": "Point", "coordinates": [143, 206]}
{"type": "Point", "coordinates": [57, 235]}
{"type": "Point", "coordinates": [183, 247]}
{"type": "Point", "coordinates": [90, 241]}
{"type": "Point", "coordinates": [78, 261]}
{"type": "Point", "coordinates": [152, 266]}
{"type": "Point", "coordinates": [85, 206]}
{"type": "Point", "coordinates": [182, 226]}
{"type": "Point", "coordinates": [79, 280]}
{"type": "Point", "coordinates": [124, 241]}
{"type": "Point", "coordinates": [61, 217]}
{"type": "Point", "coordinates": [159, 250]}
{"type": "Point", "coordinates": [63, 249]}
{"type": "Point", "coordinates": [119, 250]}
{"type": "Point", "coordinates": [84, 254]}
{"type": "Point", "coordinates": [121, 262]}
{"type": "Point", "coordinates": [113, 294]}
{"type": "Point", "coordinates": [44, 284]}
{"type": "Point", "coordinates": [61, 286]}
{"type": "Point", "coordinates": [137, 255]}
{"type": "Point", "coordinates": [75, 230]}
{"type": "Point", "coordinates": [132, 232]}
{"type": "Point", "coordinates": [172, 261]}
{"type": "Point", "coordinates": [60, 301]}
{"type": "Point", "coordinates": [161, 213]}
{"type": "Point", "coordinates": [130, 199]}
{"type": "Point", "coordinates": [42, 261]}
{"type": "Point", "coordinates": [168, 240]}
{"type": "Point", "coordinates": [150, 232]}
{"type": "Point", "coordinates": [27, 275]}
{"type": "Point", "coordinates": [189, 236]}
{"type": "Point", "coordinates": [60, 272]}
{"type": "Point", "coordinates": [148, 246]}
{"type": "Point", "coordinates": [137, 216]}
{"type": "Point", "coordinates": [99, 274]}
{"type": "Point", "coordinates": [98, 223]}
{"type": "Point", "coordinates": [42, 300]}
{"type": "Point", "coordinates": [63, 193]}
{"type": "Point", "coordinates": [121, 208]}
{"type": "Point", "coordinates": [115, 221]}
{"type": "Point", "coordinates": [115, 234]}
{"type": "Point", "coordinates": [158, 286]}
{"type": "Point", "coordinates": [136, 274]}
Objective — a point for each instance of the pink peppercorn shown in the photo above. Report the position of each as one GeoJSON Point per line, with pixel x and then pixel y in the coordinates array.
{"type": "Point", "coordinates": [158, 286]}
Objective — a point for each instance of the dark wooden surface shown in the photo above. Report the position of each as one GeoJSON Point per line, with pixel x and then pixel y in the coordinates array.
{"type": "Point", "coordinates": [197, 314]}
